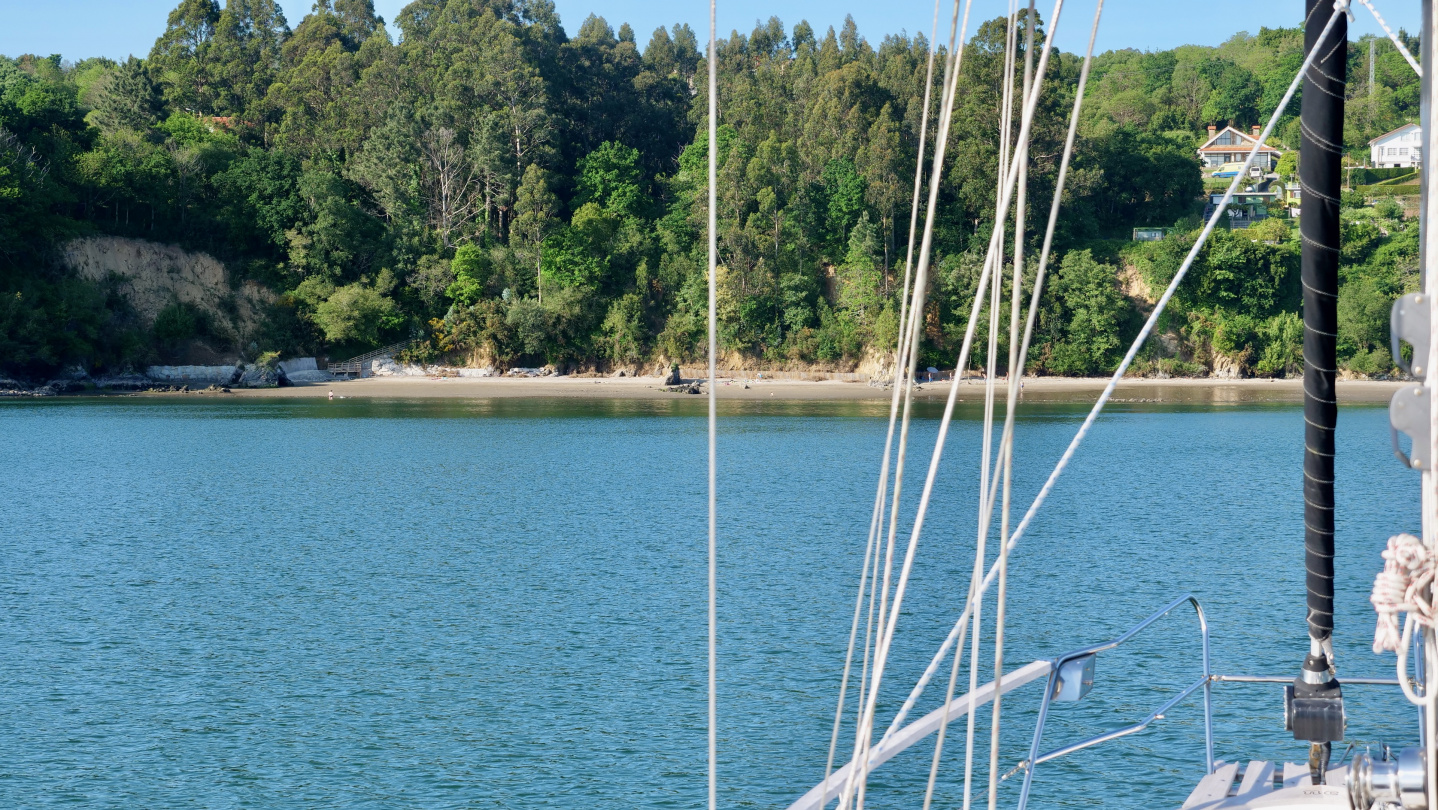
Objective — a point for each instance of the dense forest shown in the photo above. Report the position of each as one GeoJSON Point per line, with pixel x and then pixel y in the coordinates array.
{"type": "Point", "coordinates": [505, 193]}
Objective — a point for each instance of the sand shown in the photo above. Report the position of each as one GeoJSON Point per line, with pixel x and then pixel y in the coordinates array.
{"type": "Point", "coordinates": [1034, 389]}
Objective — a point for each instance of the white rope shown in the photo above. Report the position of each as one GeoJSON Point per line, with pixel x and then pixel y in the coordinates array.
{"type": "Point", "coordinates": [947, 419]}
{"type": "Point", "coordinates": [1404, 586]}
{"type": "Point", "coordinates": [889, 625]}
{"type": "Point", "coordinates": [990, 373]}
{"type": "Point", "coordinates": [864, 728]}
{"type": "Point", "coordinates": [1408, 571]}
{"type": "Point", "coordinates": [713, 409]}
{"type": "Point", "coordinates": [1113, 382]}
{"type": "Point", "coordinates": [1403, 49]}
{"type": "Point", "coordinates": [1006, 447]}
{"type": "Point", "coordinates": [899, 354]}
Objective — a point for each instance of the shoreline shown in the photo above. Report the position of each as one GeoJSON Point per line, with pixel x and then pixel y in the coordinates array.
{"type": "Point", "coordinates": [1045, 389]}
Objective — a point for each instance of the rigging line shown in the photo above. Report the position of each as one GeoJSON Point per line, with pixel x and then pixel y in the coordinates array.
{"type": "Point", "coordinates": [879, 498]}
{"type": "Point", "coordinates": [952, 67]}
{"type": "Point", "coordinates": [853, 636]}
{"type": "Point", "coordinates": [889, 626]}
{"type": "Point", "coordinates": [1108, 390]}
{"type": "Point", "coordinates": [990, 372]}
{"type": "Point", "coordinates": [969, 333]}
{"type": "Point", "coordinates": [713, 407]}
{"type": "Point", "coordinates": [1006, 447]}
{"type": "Point", "coordinates": [986, 493]}
{"type": "Point", "coordinates": [1028, 334]}
{"type": "Point", "coordinates": [945, 422]}
{"type": "Point", "coordinates": [1403, 49]}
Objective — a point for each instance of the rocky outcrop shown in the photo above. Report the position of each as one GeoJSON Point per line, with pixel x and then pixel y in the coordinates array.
{"type": "Point", "coordinates": [151, 276]}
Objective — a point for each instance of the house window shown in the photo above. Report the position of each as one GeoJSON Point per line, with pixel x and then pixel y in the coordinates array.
{"type": "Point", "coordinates": [1403, 151]}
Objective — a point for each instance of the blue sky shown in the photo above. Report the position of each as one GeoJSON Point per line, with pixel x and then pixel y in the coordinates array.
{"type": "Point", "coordinates": [116, 28]}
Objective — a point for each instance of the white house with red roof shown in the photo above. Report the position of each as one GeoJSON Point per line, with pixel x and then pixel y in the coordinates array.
{"type": "Point", "coordinates": [1401, 148]}
{"type": "Point", "coordinates": [1232, 145]}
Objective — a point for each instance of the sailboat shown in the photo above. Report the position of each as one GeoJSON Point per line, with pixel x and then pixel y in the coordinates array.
{"type": "Point", "coordinates": [1313, 713]}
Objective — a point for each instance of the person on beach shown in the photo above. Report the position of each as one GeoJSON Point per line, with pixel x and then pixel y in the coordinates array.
{"type": "Point", "coordinates": [332, 395]}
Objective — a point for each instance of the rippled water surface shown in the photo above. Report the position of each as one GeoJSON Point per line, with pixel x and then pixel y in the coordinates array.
{"type": "Point", "coordinates": [502, 604]}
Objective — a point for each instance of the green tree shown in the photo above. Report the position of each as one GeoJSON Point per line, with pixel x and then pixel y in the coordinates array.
{"type": "Point", "coordinates": [181, 56]}
{"type": "Point", "coordinates": [1085, 315]}
{"type": "Point", "coordinates": [609, 176]}
{"type": "Point", "coordinates": [535, 212]}
{"type": "Point", "coordinates": [126, 98]}
{"type": "Point", "coordinates": [245, 54]}
{"type": "Point", "coordinates": [359, 313]}
{"type": "Point", "coordinates": [472, 272]}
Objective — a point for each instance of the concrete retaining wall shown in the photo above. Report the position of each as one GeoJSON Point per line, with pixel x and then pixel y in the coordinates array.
{"type": "Point", "coordinates": [206, 375]}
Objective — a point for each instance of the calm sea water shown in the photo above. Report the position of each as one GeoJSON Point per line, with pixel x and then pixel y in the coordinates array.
{"type": "Point", "coordinates": [210, 603]}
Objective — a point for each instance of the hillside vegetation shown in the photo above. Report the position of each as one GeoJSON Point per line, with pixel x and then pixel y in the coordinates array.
{"type": "Point", "coordinates": [505, 192]}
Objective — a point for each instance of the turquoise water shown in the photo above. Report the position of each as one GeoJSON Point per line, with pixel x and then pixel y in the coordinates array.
{"type": "Point", "coordinates": [211, 603]}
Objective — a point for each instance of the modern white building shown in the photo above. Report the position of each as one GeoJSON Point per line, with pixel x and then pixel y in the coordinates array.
{"type": "Point", "coordinates": [1401, 148]}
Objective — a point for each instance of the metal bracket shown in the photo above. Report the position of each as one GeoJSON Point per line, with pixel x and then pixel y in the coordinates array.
{"type": "Point", "coordinates": [1409, 323]}
{"type": "Point", "coordinates": [1408, 414]}
{"type": "Point", "coordinates": [1074, 679]}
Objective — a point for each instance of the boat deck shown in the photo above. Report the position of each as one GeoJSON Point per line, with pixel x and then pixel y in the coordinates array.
{"type": "Point", "coordinates": [1261, 784]}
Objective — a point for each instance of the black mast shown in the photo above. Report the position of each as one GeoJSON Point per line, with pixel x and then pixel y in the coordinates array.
{"type": "Point", "coordinates": [1315, 711]}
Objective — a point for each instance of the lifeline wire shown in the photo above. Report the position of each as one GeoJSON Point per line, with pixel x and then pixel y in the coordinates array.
{"type": "Point", "coordinates": [1113, 382]}
{"type": "Point", "coordinates": [713, 411]}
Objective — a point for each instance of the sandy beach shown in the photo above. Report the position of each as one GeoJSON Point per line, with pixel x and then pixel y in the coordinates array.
{"type": "Point", "coordinates": [1056, 389]}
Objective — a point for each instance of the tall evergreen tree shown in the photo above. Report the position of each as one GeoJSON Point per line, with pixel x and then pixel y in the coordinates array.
{"type": "Point", "coordinates": [181, 57]}
{"type": "Point", "coordinates": [127, 98]}
{"type": "Point", "coordinates": [245, 53]}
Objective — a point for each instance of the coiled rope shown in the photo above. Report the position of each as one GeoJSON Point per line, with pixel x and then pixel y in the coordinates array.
{"type": "Point", "coordinates": [1402, 587]}
{"type": "Point", "coordinates": [1405, 586]}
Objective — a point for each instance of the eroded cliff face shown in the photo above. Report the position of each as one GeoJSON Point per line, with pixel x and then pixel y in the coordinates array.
{"type": "Point", "coordinates": [152, 275]}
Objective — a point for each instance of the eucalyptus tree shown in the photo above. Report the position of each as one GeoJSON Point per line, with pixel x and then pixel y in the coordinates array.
{"type": "Point", "coordinates": [181, 57]}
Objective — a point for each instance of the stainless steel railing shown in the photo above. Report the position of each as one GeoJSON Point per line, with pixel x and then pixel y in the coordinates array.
{"type": "Point", "coordinates": [1035, 757]}
{"type": "Point", "coordinates": [1205, 683]}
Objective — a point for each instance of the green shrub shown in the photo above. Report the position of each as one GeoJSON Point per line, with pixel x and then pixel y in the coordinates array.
{"type": "Point", "coordinates": [1369, 362]}
{"type": "Point", "coordinates": [1397, 191]}
{"type": "Point", "coordinates": [176, 323]}
{"type": "Point", "coordinates": [1282, 346]}
{"type": "Point", "coordinates": [1388, 208]}
{"type": "Point", "coordinates": [357, 313]}
{"type": "Point", "coordinates": [623, 330]}
{"type": "Point", "coordinates": [472, 271]}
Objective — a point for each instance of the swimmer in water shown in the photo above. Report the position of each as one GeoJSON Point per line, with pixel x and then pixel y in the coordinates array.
{"type": "Point", "coordinates": [332, 395]}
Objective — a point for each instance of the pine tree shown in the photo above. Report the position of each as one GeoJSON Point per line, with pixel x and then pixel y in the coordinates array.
{"type": "Point", "coordinates": [127, 98]}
